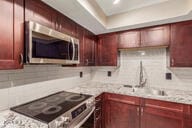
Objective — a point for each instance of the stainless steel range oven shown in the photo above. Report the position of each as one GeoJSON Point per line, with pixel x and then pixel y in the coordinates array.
{"type": "Point", "coordinates": [45, 45]}
{"type": "Point", "coordinates": [61, 110]}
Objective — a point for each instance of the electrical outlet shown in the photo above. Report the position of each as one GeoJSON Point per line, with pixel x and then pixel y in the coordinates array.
{"type": "Point", "coordinates": [109, 74]}
{"type": "Point", "coordinates": [81, 74]}
{"type": "Point", "coordinates": [168, 76]}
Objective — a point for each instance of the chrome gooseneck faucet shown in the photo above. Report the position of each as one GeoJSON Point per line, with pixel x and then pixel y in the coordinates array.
{"type": "Point", "coordinates": [142, 81]}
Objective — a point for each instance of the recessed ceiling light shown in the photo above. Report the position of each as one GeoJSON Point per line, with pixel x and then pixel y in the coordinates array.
{"type": "Point", "coordinates": [116, 1]}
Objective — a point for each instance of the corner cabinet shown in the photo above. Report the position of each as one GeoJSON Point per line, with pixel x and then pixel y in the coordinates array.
{"type": "Point", "coordinates": [107, 50]}
{"type": "Point", "coordinates": [181, 44]}
{"type": "Point", "coordinates": [11, 34]}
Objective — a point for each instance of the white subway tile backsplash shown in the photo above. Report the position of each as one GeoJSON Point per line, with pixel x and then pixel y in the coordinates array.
{"type": "Point", "coordinates": [36, 81]}
{"type": "Point", "coordinates": [155, 66]}
{"type": "Point", "coordinates": [3, 77]}
{"type": "Point", "coordinates": [4, 100]}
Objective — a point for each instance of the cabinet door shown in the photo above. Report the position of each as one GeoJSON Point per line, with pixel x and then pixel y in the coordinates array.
{"type": "Point", "coordinates": [11, 34]}
{"type": "Point", "coordinates": [155, 36]}
{"type": "Point", "coordinates": [80, 36]}
{"type": "Point", "coordinates": [107, 50]}
{"type": "Point", "coordinates": [39, 12]}
{"type": "Point", "coordinates": [181, 44]}
{"type": "Point", "coordinates": [159, 114]}
{"type": "Point", "coordinates": [66, 25]}
{"type": "Point", "coordinates": [89, 49]}
{"type": "Point", "coordinates": [121, 111]}
{"type": "Point", "coordinates": [129, 39]}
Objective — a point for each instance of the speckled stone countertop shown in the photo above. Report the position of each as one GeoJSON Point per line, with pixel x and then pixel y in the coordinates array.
{"type": "Point", "coordinates": [9, 119]}
{"type": "Point", "coordinates": [184, 97]}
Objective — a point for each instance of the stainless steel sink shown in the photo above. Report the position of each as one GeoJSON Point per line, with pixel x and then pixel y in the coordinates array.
{"type": "Point", "coordinates": [150, 91]}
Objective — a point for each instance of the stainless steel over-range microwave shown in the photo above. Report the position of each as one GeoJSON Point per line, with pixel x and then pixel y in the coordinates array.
{"type": "Point", "coordinates": [47, 46]}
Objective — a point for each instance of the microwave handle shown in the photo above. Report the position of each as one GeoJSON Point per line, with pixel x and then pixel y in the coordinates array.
{"type": "Point", "coordinates": [73, 58]}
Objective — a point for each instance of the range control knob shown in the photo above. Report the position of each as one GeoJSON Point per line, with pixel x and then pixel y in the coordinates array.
{"type": "Point", "coordinates": [66, 121]}
{"type": "Point", "coordinates": [90, 103]}
{"type": "Point", "coordinates": [58, 123]}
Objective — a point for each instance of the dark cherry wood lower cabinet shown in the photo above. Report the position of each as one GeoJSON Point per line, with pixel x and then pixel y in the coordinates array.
{"type": "Point", "coordinates": [132, 112]}
{"type": "Point", "coordinates": [120, 112]}
{"type": "Point", "coordinates": [161, 114]}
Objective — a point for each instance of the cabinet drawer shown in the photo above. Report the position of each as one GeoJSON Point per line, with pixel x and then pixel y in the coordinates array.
{"type": "Point", "coordinates": [123, 98]}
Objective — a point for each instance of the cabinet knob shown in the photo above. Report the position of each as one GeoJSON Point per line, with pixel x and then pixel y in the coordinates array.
{"type": "Point", "coordinates": [21, 59]}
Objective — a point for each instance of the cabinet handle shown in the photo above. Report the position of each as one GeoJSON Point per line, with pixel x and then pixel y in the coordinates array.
{"type": "Point", "coordinates": [21, 59]}
{"type": "Point", "coordinates": [138, 111]}
{"type": "Point", "coordinates": [142, 111]}
{"type": "Point", "coordinates": [172, 62]}
{"type": "Point", "coordinates": [87, 62]}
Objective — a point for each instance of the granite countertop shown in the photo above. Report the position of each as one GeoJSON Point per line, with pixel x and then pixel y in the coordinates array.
{"type": "Point", "coordinates": [177, 96]}
{"type": "Point", "coordinates": [9, 119]}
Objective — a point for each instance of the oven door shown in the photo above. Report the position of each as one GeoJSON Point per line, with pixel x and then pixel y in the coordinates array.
{"type": "Point", "coordinates": [86, 120]}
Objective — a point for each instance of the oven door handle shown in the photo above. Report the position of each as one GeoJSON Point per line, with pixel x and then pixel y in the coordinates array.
{"type": "Point", "coordinates": [85, 119]}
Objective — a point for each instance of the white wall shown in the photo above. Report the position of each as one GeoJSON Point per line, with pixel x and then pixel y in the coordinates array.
{"type": "Point", "coordinates": [155, 66]}
{"type": "Point", "coordinates": [36, 81]}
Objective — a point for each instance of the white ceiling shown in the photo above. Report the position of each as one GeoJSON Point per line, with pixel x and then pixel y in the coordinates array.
{"type": "Point", "coordinates": [96, 15]}
{"type": "Point", "coordinates": [125, 5]}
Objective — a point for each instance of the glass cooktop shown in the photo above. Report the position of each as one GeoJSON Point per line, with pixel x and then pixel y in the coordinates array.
{"type": "Point", "coordinates": [49, 108]}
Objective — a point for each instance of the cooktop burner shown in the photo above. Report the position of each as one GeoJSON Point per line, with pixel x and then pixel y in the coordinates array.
{"type": "Point", "coordinates": [48, 108]}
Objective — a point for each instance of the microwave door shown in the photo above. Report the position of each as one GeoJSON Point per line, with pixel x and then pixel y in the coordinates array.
{"type": "Point", "coordinates": [50, 49]}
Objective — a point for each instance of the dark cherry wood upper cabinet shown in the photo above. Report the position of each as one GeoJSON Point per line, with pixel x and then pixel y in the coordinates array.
{"type": "Point", "coordinates": [37, 11]}
{"type": "Point", "coordinates": [80, 36]}
{"type": "Point", "coordinates": [66, 25]}
{"type": "Point", "coordinates": [155, 36]}
{"type": "Point", "coordinates": [161, 114]}
{"type": "Point", "coordinates": [181, 44]}
{"type": "Point", "coordinates": [121, 111]}
{"type": "Point", "coordinates": [129, 39]}
{"type": "Point", "coordinates": [11, 34]}
{"type": "Point", "coordinates": [107, 50]}
{"type": "Point", "coordinates": [89, 48]}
